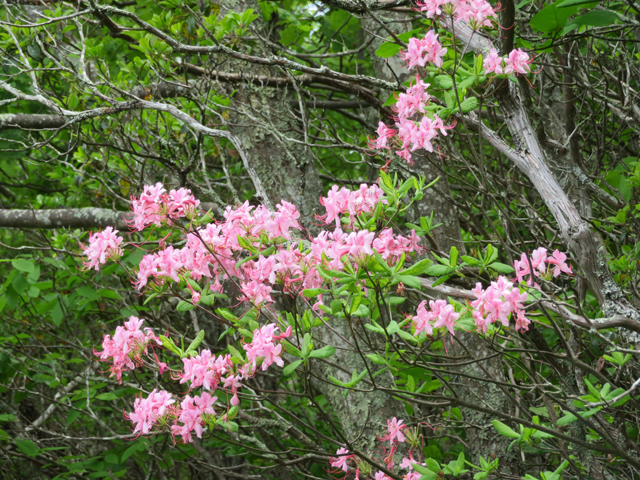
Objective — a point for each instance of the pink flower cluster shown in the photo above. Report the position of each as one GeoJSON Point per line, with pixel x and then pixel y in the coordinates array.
{"type": "Point", "coordinates": [155, 205]}
{"type": "Point", "coordinates": [411, 135]}
{"type": "Point", "coordinates": [541, 263]}
{"type": "Point", "coordinates": [262, 346]}
{"type": "Point", "coordinates": [440, 313]}
{"type": "Point", "coordinates": [128, 344]}
{"type": "Point", "coordinates": [423, 51]}
{"type": "Point", "coordinates": [342, 200]}
{"type": "Point", "coordinates": [516, 62]}
{"type": "Point", "coordinates": [147, 411]}
{"type": "Point", "coordinates": [202, 370]}
{"type": "Point", "coordinates": [395, 436]}
{"type": "Point", "coordinates": [475, 12]}
{"type": "Point", "coordinates": [496, 303]}
{"type": "Point", "coordinates": [160, 406]}
{"type": "Point", "coordinates": [102, 246]}
{"type": "Point", "coordinates": [190, 415]}
{"type": "Point", "coordinates": [209, 251]}
{"type": "Point", "coordinates": [205, 370]}
{"type": "Point", "coordinates": [212, 252]}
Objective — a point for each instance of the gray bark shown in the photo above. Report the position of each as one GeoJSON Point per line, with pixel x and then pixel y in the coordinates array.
{"type": "Point", "coordinates": [89, 218]}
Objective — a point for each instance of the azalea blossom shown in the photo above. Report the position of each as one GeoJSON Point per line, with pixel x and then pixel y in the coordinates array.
{"type": "Point", "coordinates": [147, 411]}
{"type": "Point", "coordinates": [394, 428]}
{"type": "Point", "coordinates": [493, 63]}
{"type": "Point", "coordinates": [102, 246]}
{"type": "Point", "coordinates": [128, 343]}
{"type": "Point", "coordinates": [497, 303]}
{"type": "Point", "coordinates": [517, 62]}
{"type": "Point", "coordinates": [342, 460]}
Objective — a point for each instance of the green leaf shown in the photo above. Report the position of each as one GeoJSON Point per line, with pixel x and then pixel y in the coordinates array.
{"type": "Point", "coordinates": [438, 270]}
{"type": "Point", "coordinates": [570, 417]}
{"type": "Point", "coordinates": [502, 268]}
{"type": "Point", "coordinates": [382, 262]}
{"type": "Point", "coordinates": [289, 369]}
{"type": "Point", "coordinates": [196, 341]}
{"type": "Point", "coordinates": [184, 306]}
{"type": "Point", "coordinates": [72, 416]}
{"type": "Point", "coordinates": [504, 430]}
{"type": "Point", "coordinates": [169, 345]}
{"type": "Point", "coordinates": [27, 447]}
{"type": "Point", "coordinates": [88, 292]}
{"type": "Point", "coordinates": [408, 280]}
{"type": "Point", "coordinates": [427, 474]}
{"type": "Point", "coordinates": [107, 396]}
{"type": "Point", "coordinates": [106, 293]}
{"type": "Point", "coordinates": [490, 254]}
{"type": "Point", "coordinates": [324, 352]}
{"type": "Point", "coordinates": [355, 303]}
{"type": "Point", "coordinates": [138, 446]}
{"type": "Point", "coordinates": [453, 257]}
{"type": "Point", "coordinates": [479, 64]}
{"type": "Point", "coordinates": [23, 265]}
{"type": "Point", "coordinates": [387, 50]}
{"type": "Point", "coordinates": [594, 18]}
{"type": "Point", "coordinates": [433, 465]}
{"type": "Point", "coordinates": [313, 292]}
{"type": "Point", "coordinates": [474, 262]}
{"type": "Point", "coordinates": [56, 314]}
{"type": "Point", "coordinates": [574, 3]}
{"type": "Point", "coordinates": [552, 18]}
{"type": "Point", "coordinates": [291, 349]}
{"type": "Point", "coordinates": [417, 268]}
{"type": "Point", "coordinates": [377, 358]}
{"type": "Point", "coordinates": [445, 82]}
{"type": "Point", "coordinates": [468, 104]}
{"type": "Point", "coordinates": [391, 100]}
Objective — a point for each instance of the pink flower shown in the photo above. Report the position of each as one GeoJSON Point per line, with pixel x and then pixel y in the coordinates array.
{"type": "Point", "coordinates": [407, 463]}
{"type": "Point", "coordinates": [432, 7]}
{"type": "Point", "coordinates": [342, 461]}
{"type": "Point", "coordinates": [146, 411]}
{"type": "Point", "coordinates": [168, 263]}
{"type": "Point", "coordinates": [496, 303]}
{"type": "Point", "coordinates": [493, 62]}
{"type": "Point", "coordinates": [256, 293]}
{"type": "Point", "coordinates": [262, 347]}
{"type": "Point", "coordinates": [538, 259]}
{"type": "Point", "coordinates": [180, 203]}
{"type": "Point", "coordinates": [447, 316]}
{"type": "Point", "coordinates": [559, 260]}
{"type": "Point", "coordinates": [394, 427]}
{"type": "Point", "coordinates": [384, 134]}
{"type": "Point", "coordinates": [423, 319]}
{"type": "Point", "coordinates": [128, 344]}
{"type": "Point", "coordinates": [191, 415]}
{"type": "Point", "coordinates": [476, 12]}
{"type": "Point", "coordinates": [382, 476]}
{"type": "Point", "coordinates": [102, 246]}
{"type": "Point", "coordinates": [336, 203]}
{"type": "Point", "coordinates": [147, 209]}
{"type": "Point", "coordinates": [517, 62]}
{"type": "Point", "coordinates": [358, 244]}
{"type": "Point", "coordinates": [426, 50]}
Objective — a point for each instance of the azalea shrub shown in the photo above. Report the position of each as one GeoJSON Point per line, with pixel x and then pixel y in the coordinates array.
{"type": "Point", "coordinates": [341, 240]}
{"type": "Point", "coordinates": [358, 269]}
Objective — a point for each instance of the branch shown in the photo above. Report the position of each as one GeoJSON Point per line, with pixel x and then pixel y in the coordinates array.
{"type": "Point", "coordinates": [270, 61]}
{"type": "Point", "coordinates": [85, 218]}
{"type": "Point", "coordinates": [58, 218]}
{"type": "Point", "coordinates": [529, 157]}
{"type": "Point", "coordinates": [31, 121]}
